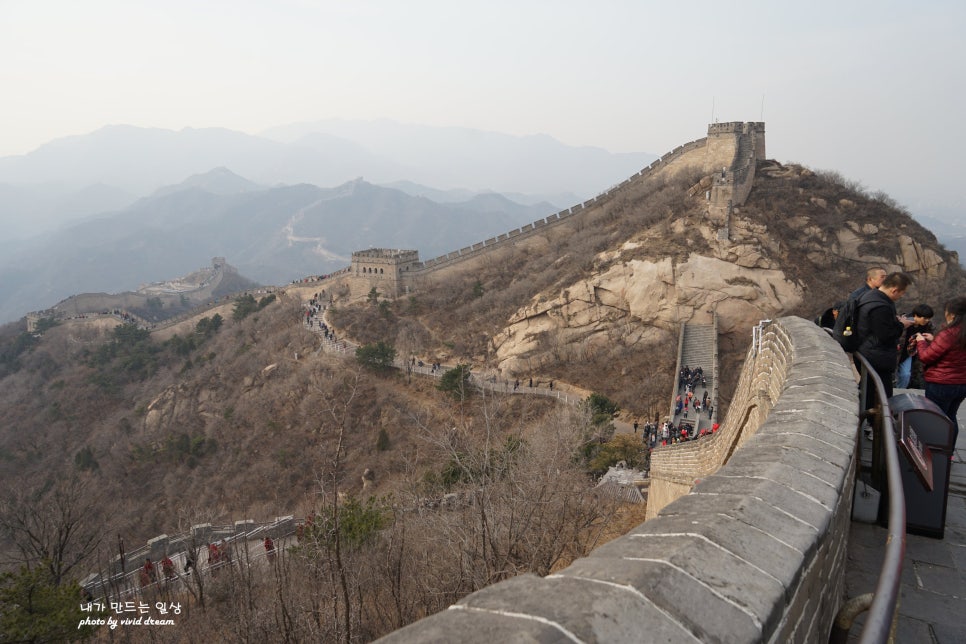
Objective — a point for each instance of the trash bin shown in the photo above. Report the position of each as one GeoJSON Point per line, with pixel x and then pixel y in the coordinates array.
{"type": "Point", "coordinates": [915, 416]}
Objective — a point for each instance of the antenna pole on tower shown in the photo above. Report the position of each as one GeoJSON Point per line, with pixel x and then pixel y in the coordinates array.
{"type": "Point", "coordinates": [762, 117]}
{"type": "Point", "coordinates": [712, 109]}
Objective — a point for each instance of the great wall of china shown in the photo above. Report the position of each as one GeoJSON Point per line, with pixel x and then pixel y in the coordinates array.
{"type": "Point", "coordinates": [729, 154]}
{"type": "Point", "coordinates": [751, 525]}
{"type": "Point", "coordinates": [747, 532]}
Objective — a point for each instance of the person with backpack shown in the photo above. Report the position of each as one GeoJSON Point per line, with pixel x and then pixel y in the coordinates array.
{"type": "Point", "coordinates": [879, 328]}
{"type": "Point", "coordinates": [873, 280]}
{"type": "Point", "coordinates": [827, 318]}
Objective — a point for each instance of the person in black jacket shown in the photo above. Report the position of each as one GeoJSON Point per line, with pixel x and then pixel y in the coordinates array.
{"type": "Point", "coordinates": [880, 329]}
{"type": "Point", "coordinates": [909, 373]}
{"type": "Point", "coordinates": [873, 280]}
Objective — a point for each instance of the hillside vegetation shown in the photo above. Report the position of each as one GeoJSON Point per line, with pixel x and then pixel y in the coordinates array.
{"type": "Point", "coordinates": [243, 417]}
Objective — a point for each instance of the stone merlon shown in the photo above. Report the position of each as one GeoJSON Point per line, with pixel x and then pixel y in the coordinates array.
{"type": "Point", "coordinates": [754, 553]}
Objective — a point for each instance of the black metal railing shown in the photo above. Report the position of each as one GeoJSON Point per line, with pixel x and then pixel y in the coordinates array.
{"type": "Point", "coordinates": [882, 604]}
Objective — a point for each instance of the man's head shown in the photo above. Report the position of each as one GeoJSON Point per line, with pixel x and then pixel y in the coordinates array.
{"type": "Point", "coordinates": [895, 284]}
{"type": "Point", "coordinates": [875, 276]}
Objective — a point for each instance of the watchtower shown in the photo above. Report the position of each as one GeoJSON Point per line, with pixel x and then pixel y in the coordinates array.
{"type": "Point", "coordinates": [385, 269]}
{"type": "Point", "coordinates": [733, 150]}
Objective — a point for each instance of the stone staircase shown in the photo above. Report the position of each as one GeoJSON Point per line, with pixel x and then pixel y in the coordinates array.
{"type": "Point", "coordinates": [698, 349]}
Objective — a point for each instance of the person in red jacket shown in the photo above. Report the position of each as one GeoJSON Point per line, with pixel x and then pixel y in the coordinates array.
{"type": "Point", "coordinates": [944, 359]}
{"type": "Point", "coordinates": [167, 567]}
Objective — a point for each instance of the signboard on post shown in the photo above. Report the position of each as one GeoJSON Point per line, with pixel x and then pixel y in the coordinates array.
{"type": "Point", "coordinates": [918, 453]}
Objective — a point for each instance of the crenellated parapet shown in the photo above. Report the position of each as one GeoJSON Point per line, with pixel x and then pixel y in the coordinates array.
{"type": "Point", "coordinates": [729, 153]}
{"type": "Point", "coordinates": [384, 269]}
{"type": "Point", "coordinates": [736, 148]}
{"type": "Point", "coordinates": [756, 552]}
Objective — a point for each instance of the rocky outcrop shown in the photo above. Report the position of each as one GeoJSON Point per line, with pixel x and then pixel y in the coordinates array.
{"type": "Point", "coordinates": [645, 301]}
{"type": "Point", "coordinates": [919, 259]}
{"type": "Point", "coordinates": [176, 404]}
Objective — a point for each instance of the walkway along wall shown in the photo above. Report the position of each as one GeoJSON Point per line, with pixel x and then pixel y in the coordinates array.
{"type": "Point", "coordinates": [756, 551]}
{"type": "Point", "coordinates": [720, 149]}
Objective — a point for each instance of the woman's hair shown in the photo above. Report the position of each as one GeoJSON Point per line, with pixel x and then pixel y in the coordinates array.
{"type": "Point", "coordinates": [957, 308]}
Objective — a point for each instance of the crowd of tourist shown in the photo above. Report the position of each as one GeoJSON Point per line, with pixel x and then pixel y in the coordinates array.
{"type": "Point", "coordinates": [667, 433]}
{"type": "Point", "coordinates": [906, 351]}
{"type": "Point", "coordinates": [314, 313]}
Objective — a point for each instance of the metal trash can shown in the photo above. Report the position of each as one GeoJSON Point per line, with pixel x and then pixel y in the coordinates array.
{"type": "Point", "coordinates": [925, 436]}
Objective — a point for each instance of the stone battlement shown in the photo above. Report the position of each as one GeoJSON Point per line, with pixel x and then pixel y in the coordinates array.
{"type": "Point", "coordinates": [730, 152]}
{"type": "Point", "coordinates": [754, 553]}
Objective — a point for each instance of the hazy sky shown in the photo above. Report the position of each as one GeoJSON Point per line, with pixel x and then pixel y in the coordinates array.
{"type": "Point", "coordinates": [874, 90]}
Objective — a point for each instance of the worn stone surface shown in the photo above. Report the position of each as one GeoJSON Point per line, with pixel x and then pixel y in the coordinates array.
{"type": "Point", "coordinates": [677, 594]}
{"type": "Point", "coordinates": [737, 580]}
{"type": "Point", "coordinates": [796, 505]}
{"type": "Point", "coordinates": [480, 627]}
{"type": "Point", "coordinates": [756, 552]}
{"type": "Point", "coordinates": [932, 603]}
{"type": "Point", "coordinates": [746, 542]}
{"type": "Point", "coordinates": [590, 610]}
{"type": "Point", "coordinates": [797, 535]}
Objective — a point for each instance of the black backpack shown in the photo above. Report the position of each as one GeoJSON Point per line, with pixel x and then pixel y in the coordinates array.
{"type": "Point", "coordinates": [846, 326]}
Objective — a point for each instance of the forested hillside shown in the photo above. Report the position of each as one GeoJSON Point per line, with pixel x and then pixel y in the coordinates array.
{"type": "Point", "coordinates": [242, 416]}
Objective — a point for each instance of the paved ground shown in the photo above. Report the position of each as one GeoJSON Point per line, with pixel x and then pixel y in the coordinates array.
{"type": "Point", "coordinates": [932, 601]}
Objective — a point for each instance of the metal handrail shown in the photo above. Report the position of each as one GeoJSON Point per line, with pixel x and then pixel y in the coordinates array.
{"type": "Point", "coordinates": [884, 605]}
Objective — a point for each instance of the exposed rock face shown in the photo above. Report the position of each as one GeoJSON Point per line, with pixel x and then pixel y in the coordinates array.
{"type": "Point", "coordinates": [917, 258]}
{"type": "Point", "coordinates": [647, 300]}
{"type": "Point", "coordinates": [791, 250]}
{"type": "Point", "coordinates": [177, 403]}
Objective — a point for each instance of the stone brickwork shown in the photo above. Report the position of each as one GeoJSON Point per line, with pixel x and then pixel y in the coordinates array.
{"type": "Point", "coordinates": [728, 151]}
{"type": "Point", "coordinates": [690, 154]}
{"type": "Point", "coordinates": [732, 146]}
{"type": "Point", "coordinates": [384, 269]}
{"type": "Point", "coordinates": [732, 181]}
{"type": "Point", "coordinates": [201, 287]}
{"type": "Point", "coordinates": [755, 552]}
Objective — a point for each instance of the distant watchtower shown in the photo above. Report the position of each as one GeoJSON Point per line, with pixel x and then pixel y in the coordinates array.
{"type": "Point", "coordinates": [385, 269]}
{"type": "Point", "coordinates": [733, 150]}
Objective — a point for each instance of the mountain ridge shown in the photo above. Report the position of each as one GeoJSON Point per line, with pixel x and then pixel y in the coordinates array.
{"type": "Point", "coordinates": [273, 235]}
{"type": "Point", "coordinates": [136, 161]}
{"type": "Point", "coordinates": [237, 413]}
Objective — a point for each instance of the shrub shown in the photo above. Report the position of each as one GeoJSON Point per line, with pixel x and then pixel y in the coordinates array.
{"type": "Point", "coordinates": [602, 408]}
{"type": "Point", "coordinates": [84, 459]}
{"type": "Point", "coordinates": [623, 447]}
{"type": "Point", "coordinates": [358, 522]}
{"type": "Point", "coordinates": [378, 356]}
{"type": "Point", "coordinates": [456, 382]}
{"type": "Point", "coordinates": [382, 441]}
{"type": "Point", "coordinates": [245, 305]}
{"type": "Point", "coordinates": [207, 326]}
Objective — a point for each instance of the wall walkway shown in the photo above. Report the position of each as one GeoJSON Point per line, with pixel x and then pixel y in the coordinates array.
{"type": "Point", "coordinates": [756, 551]}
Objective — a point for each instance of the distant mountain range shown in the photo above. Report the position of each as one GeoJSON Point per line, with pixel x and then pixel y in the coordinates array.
{"type": "Point", "coordinates": [110, 168]}
{"type": "Point", "coordinates": [271, 235]}
{"type": "Point", "coordinates": [124, 205]}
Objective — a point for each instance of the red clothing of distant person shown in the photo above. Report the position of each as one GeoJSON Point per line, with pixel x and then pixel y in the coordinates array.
{"type": "Point", "coordinates": [944, 361]}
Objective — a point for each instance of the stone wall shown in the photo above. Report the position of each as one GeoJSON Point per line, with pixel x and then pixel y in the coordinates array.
{"type": "Point", "coordinates": [733, 176]}
{"type": "Point", "coordinates": [732, 146]}
{"type": "Point", "coordinates": [756, 551]}
{"type": "Point", "coordinates": [690, 154]}
{"type": "Point", "coordinates": [383, 269]}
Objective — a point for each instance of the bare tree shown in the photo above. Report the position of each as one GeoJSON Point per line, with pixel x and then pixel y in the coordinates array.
{"type": "Point", "coordinates": [53, 528]}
